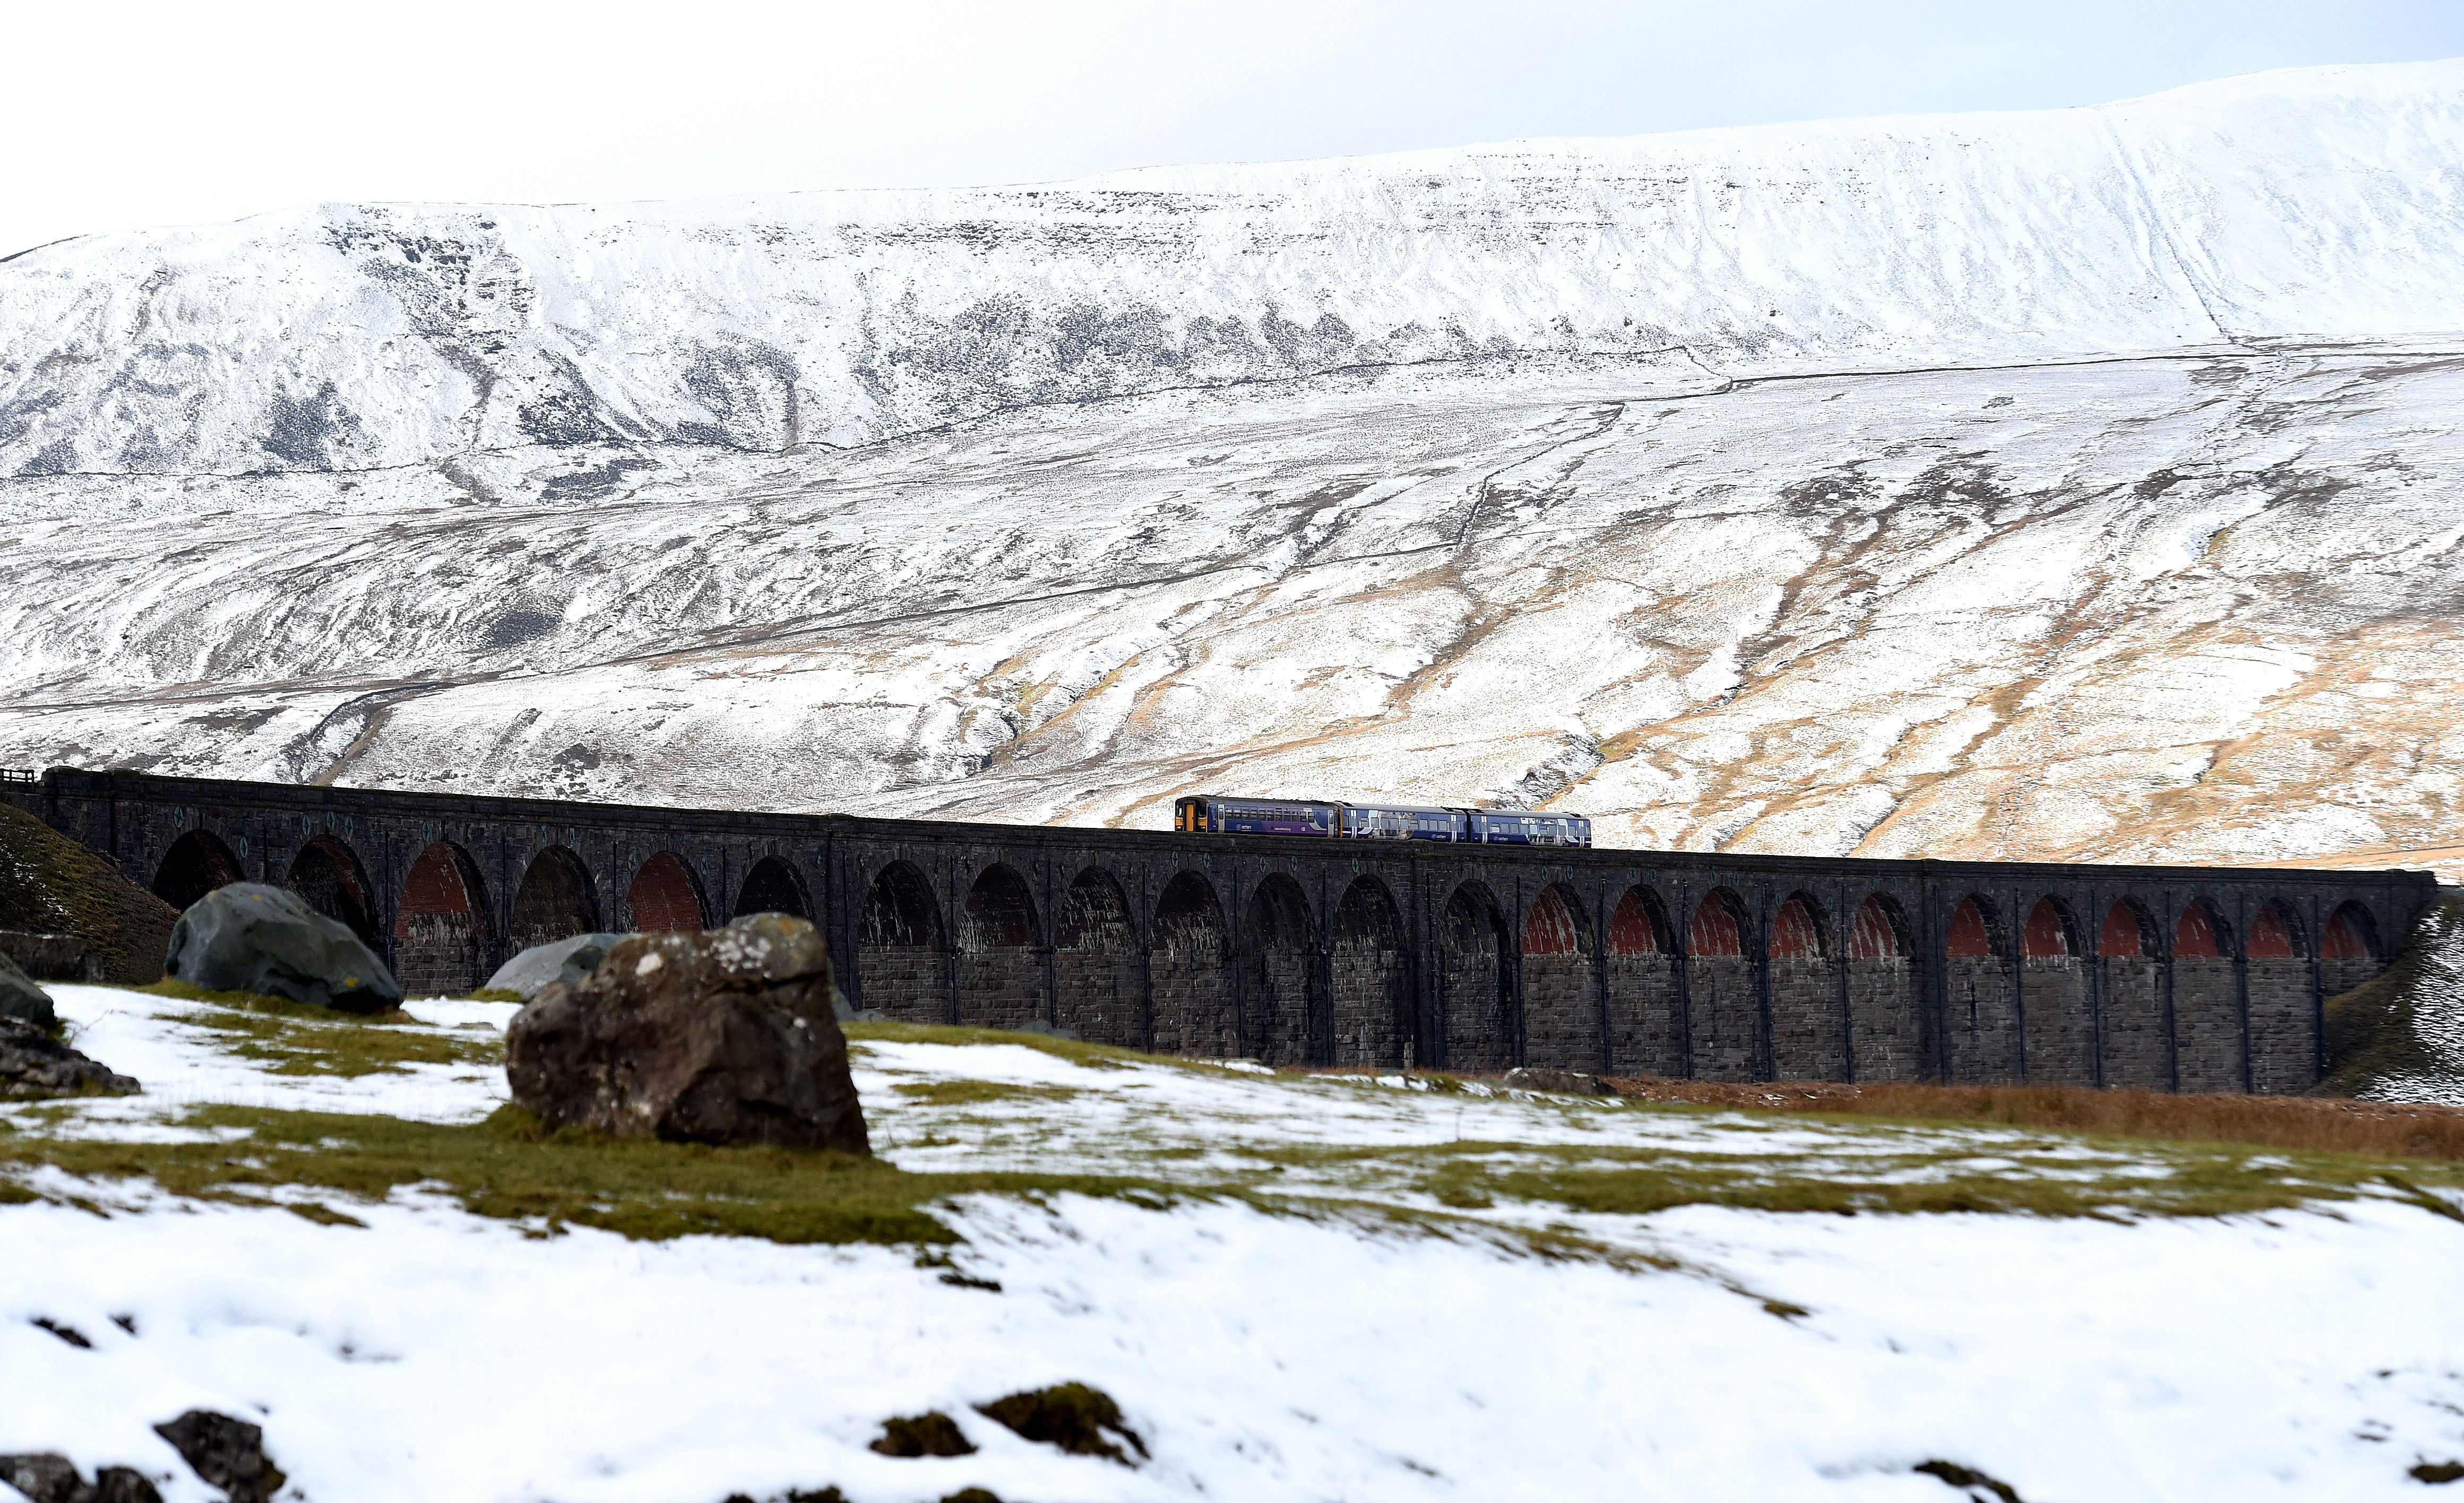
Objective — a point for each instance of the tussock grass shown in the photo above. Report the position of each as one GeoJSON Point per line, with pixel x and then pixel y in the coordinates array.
{"type": "Point", "coordinates": [510, 1167]}
{"type": "Point", "coordinates": [974, 1092]}
{"type": "Point", "coordinates": [2302, 1125]}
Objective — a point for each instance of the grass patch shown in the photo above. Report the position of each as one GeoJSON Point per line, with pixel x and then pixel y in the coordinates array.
{"type": "Point", "coordinates": [509, 1167]}
{"type": "Point", "coordinates": [976, 1092]}
{"type": "Point", "coordinates": [492, 994]}
{"type": "Point", "coordinates": [1096, 1057]}
{"type": "Point", "coordinates": [303, 1039]}
{"type": "Point", "coordinates": [51, 884]}
{"type": "Point", "coordinates": [2298, 1123]}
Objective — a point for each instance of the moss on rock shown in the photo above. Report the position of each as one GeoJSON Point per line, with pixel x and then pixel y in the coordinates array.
{"type": "Point", "coordinates": [50, 885]}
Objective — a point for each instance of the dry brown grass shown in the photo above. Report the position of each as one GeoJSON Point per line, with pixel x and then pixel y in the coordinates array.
{"type": "Point", "coordinates": [2305, 1123]}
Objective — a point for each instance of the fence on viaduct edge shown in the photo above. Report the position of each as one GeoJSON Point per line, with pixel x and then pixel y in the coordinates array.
{"type": "Point", "coordinates": [1717, 967]}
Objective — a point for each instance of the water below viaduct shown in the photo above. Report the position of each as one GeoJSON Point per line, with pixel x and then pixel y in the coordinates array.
{"type": "Point", "coordinates": [1295, 951]}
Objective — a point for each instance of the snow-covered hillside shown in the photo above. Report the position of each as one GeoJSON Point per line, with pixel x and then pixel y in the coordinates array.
{"type": "Point", "coordinates": [1627, 476]}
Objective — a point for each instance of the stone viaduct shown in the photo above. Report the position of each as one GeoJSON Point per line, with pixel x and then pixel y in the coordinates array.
{"type": "Point", "coordinates": [1295, 951]}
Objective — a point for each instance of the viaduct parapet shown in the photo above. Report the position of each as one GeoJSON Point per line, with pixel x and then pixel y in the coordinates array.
{"type": "Point", "coordinates": [1296, 951]}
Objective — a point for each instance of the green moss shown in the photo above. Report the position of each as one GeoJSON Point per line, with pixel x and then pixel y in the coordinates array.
{"type": "Point", "coordinates": [972, 1093]}
{"type": "Point", "coordinates": [494, 994]}
{"type": "Point", "coordinates": [2370, 1031]}
{"type": "Point", "coordinates": [51, 884]}
{"type": "Point", "coordinates": [1100, 1056]}
{"type": "Point", "coordinates": [509, 1167]}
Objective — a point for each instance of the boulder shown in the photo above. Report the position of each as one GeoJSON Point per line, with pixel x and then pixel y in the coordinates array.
{"type": "Point", "coordinates": [561, 960]}
{"type": "Point", "coordinates": [50, 957]}
{"type": "Point", "coordinates": [1561, 1082]}
{"type": "Point", "coordinates": [225, 1453]}
{"type": "Point", "coordinates": [50, 1477]}
{"type": "Point", "coordinates": [34, 1063]}
{"type": "Point", "coordinates": [23, 1000]}
{"type": "Point", "coordinates": [723, 1037]}
{"type": "Point", "coordinates": [249, 937]}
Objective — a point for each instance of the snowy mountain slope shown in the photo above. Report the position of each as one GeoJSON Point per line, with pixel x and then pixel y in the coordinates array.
{"type": "Point", "coordinates": [2198, 606]}
{"type": "Point", "coordinates": [2314, 203]}
{"type": "Point", "coordinates": [1793, 585]}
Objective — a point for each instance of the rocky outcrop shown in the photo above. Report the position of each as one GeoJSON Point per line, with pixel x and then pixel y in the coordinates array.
{"type": "Point", "coordinates": [723, 1037]}
{"type": "Point", "coordinates": [227, 1453]}
{"type": "Point", "coordinates": [567, 960]}
{"type": "Point", "coordinates": [1560, 1082]}
{"type": "Point", "coordinates": [50, 1477]}
{"type": "Point", "coordinates": [249, 937]}
{"type": "Point", "coordinates": [23, 1000]}
{"type": "Point", "coordinates": [34, 1064]}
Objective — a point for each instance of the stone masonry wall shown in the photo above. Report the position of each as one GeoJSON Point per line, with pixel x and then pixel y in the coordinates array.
{"type": "Point", "coordinates": [904, 983]}
{"type": "Point", "coordinates": [1369, 996]}
{"type": "Point", "coordinates": [2137, 1053]}
{"type": "Point", "coordinates": [2207, 1023]}
{"type": "Point", "coordinates": [1561, 1012]}
{"type": "Point", "coordinates": [1726, 1016]}
{"type": "Point", "coordinates": [1280, 1025]}
{"type": "Point", "coordinates": [1193, 1004]}
{"type": "Point", "coordinates": [1890, 1027]}
{"type": "Point", "coordinates": [2061, 1032]}
{"type": "Point", "coordinates": [1809, 1036]}
{"type": "Point", "coordinates": [1646, 1034]}
{"type": "Point", "coordinates": [1000, 986]}
{"type": "Point", "coordinates": [1096, 997]}
{"type": "Point", "coordinates": [1983, 1034]}
{"type": "Point", "coordinates": [1479, 1018]}
{"type": "Point", "coordinates": [2283, 1028]}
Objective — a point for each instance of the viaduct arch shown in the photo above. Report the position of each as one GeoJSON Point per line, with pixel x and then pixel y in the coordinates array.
{"type": "Point", "coordinates": [1737, 968]}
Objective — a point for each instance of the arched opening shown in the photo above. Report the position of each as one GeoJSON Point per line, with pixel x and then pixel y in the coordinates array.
{"type": "Point", "coordinates": [2048, 934]}
{"type": "Point", "coordinates": [1636, 926]}
{"type": "Point", "coordinates": [1094, 964]}
{"type": "Point", "coordinates": [554, 900]}
{"type": "Point", "coordinates": [1796, 932]}
{"type": "Point", "coordinates": [2207, 1003]}
{"type": "Point", "coordinates": [1371, 1008]}
{"type": "Point", "coordinates": [196, 865]}
{"type": "Point", "coordinates": [1879, 933]}
{"type": "Point", "coordinates": [899, 947]}
{"type": "Point", "coordinates": [1889, 1037]}
{"type": "Point", "coordinates": [1646, 1024]}
{"type": "Point", "coordinates": [1970, 935]}
{"type": "Point", "coordinates": [1476, 982]}
{"type": "Point", "coordinates": [1719, 925]}
{"type": "Point", "coordinates": [1000, 977]}
{"type": "Point", "coordinates": [1552, 926]}
{"type": "Point", "coordinates": [441, 943]}
{"type": "Point", "coordinates": [328, 874]}
{"type": "Point", "coordinates": [773, 887]}
{"type": "Point", "coordinates": [2275, 934]}
{"type": "Point", "coordinates": [665, 897]}
{"type": "Point", "coordinates": [2199, 935]}
{"type": "Point", "coordinates": [2351, 935]}
{"type": "Point", "coordinates": [2283, 1025]}
{"type": "Point", "coordinates": [1724, 1012]}
{"type": "Point", "coordinates": [1982, 1043]}
{"type": "Point", "coordinates": [2138, 1050]}
{"type": "Point", "coordinates": [1283, 1018]}
{"type": "Point", "coordinates": [2053, 1010]}
{"type": "Point", "coordinates": [1188, 968]}
{"type": "Point", "coordinates": [1000, 914]}
{"type": "Point", "coordinates": [1809, 1037]}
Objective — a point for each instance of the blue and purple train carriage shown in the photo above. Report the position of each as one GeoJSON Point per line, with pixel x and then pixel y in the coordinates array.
{"type": "Point", "coordinates": [1210, 814]}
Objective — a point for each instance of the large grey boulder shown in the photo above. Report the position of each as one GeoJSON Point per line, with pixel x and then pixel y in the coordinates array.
{"type": "Point", "coordinates": [23, 1000]}
{"type": "Point", "coordinates": [724, 1036]}
{"type": "Point", "coordinates": [249, 937]}
{"type": "Point", "coordinates": [559, 960]}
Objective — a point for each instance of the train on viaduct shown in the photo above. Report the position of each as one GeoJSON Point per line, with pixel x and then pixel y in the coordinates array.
{"type": "Point", "coordinates": [1386, 954]}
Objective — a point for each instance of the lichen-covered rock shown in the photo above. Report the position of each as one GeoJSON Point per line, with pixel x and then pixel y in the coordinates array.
{"type": "Point", "coordinates": [724, 1036]}
{"type": "Point", "coordinates": [23, 1000]}
{"type": "Point", "coordinates": [33, 1063]}
{"type": "Point", "coordinates": [571, 959]}
{"type": "Point", "coordinates": [249, 937]}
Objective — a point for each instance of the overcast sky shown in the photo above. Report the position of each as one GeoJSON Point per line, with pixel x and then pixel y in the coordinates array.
{"type": "Point", "coordinates": [125, 115]}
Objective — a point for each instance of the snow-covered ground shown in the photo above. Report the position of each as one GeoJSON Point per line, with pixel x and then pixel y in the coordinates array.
{"type": "Point", "coordinates": [1321, 1351]}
